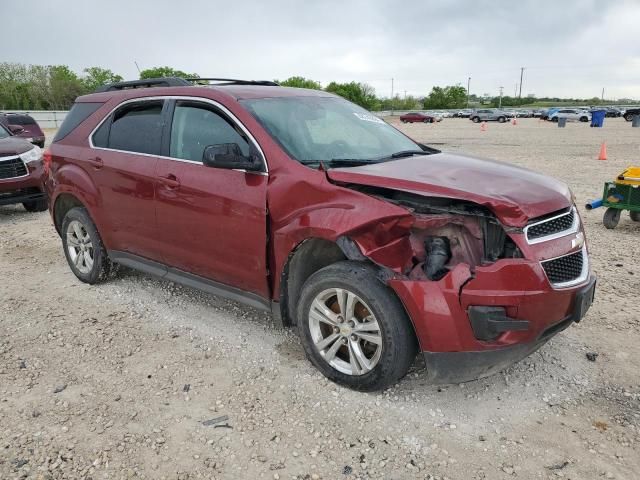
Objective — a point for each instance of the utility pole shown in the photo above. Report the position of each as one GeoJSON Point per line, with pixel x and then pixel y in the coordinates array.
{"type": "Point", "coordinates": [137, 67]}
{"type": "Point", "coordinates": [603, 94]}
{"type": "Point", "coordinates": [500, 102]}
{"type": "Point", "coordinates": [392, 97]}
{"type": "Point", "coordinates": [520, 94]}
{"type": "Point", "coordinates": [468, 86]}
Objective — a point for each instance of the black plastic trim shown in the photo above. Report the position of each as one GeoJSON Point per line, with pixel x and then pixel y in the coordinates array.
{"type": "Point", "coordinates": [166, 272]}
{"type": "Point", "coordinates": [29, 197]}
{"type": "Point", "coordinates": [147, 83]}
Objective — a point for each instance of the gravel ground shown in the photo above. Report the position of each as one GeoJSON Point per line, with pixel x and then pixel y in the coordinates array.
{"type": "Point", "coordinates": [139, 378]}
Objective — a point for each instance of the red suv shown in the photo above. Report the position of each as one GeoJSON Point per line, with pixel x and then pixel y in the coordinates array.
{"type": "Point", "coordinates": [21, 173]}
{"type": "Point", "coordinates": [303, 204]}
{"type": "Point", "coordinates": [23, 126]}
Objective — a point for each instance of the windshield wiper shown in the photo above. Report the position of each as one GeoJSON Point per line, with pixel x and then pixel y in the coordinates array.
{"type": "Point", "coordinates": [341, 162]}
{"type": "Point", "coordinates": [408, 153]}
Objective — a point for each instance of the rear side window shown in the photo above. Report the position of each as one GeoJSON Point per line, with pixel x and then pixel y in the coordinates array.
{"type": "Point", "coordinates": [137, 127]}
{"type": "Point", "coordinates": [79, 113]}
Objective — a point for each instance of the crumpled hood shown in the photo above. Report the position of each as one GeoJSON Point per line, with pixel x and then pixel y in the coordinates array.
{"type": "Point", "coordinates": [13, 146]}
{"type": "Point", "coordinates": [515, 195]}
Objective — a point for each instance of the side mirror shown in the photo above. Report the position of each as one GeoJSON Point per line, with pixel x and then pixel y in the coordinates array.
{"type": "Point", "coordinates": [229, 155]}
{"type": "Point", "coordinates": [15, 129]}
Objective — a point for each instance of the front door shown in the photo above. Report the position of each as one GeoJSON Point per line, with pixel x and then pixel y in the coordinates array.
{"type": "Point", "coordinates": [212, 221]}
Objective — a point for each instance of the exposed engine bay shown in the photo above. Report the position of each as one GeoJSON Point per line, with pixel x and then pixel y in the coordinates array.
{"type": "Point", "coordinates": [448, 232]}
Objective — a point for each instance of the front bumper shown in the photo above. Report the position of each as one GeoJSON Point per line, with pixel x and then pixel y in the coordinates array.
{"type": "Point", "coordinates": [27, 188]}
{"type": "Point", "coordinates": [457, 367]}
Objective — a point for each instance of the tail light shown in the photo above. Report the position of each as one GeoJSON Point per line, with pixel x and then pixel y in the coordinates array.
{"type": "Point", "coordinates": [46, 161]}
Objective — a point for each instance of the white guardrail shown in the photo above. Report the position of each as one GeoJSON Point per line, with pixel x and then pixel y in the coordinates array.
{"type": "Point", "coordinates": [45, 118]}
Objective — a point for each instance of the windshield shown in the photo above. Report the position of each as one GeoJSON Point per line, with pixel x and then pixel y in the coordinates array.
{"type": "Point", "coordinates": [315, 129]}
{"type": "Point", "coordinates": [3, 132]}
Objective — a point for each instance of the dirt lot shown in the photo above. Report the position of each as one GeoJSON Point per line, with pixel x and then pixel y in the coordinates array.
{"type": "Point", "coordinates": [116, 380]}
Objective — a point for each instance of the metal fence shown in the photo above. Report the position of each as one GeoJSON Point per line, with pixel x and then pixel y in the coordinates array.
{"type": "Point", "coordinates": [45, 118]}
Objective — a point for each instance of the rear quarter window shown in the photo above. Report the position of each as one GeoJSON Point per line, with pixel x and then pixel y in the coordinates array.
{"type": "Point", "coordinates": [21, 120]}
{"type": "Point", "coordinates": [79, 113]}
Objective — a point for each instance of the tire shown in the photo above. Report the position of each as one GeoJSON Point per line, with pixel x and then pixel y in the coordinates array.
{"type": "Point", "coordinates": [426, 120]}
{"type": "Point", "coordinates": [584, 119]}
{"type": "Point", "coordinates": [554, 119]}
{"type": "Point", "coordinates": [501, 119]}
{"type": "Point", "coordinates": [389, 360]}
{"type": "Point", "coordinates": [475, 119]}
{"type": "Point", "coordinates": [611, 218]}
{"type": "Point", "coordinates": [635, 216]}
{"type": "Point", "coordinates": [628, 118]}
{"type": "Point", "coordinates": [78, 220]}
{"type": "Point", "coordinates": [36, 205]}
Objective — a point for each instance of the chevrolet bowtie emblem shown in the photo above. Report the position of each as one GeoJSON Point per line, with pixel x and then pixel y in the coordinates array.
{"type": "Point", "coordinates": [578, 241]}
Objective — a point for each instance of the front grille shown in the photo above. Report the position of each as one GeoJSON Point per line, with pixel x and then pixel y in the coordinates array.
{"type": "Point", "coordinates": [564, 269]}
{"type": "Point", "coordinates": [551, 226]}
{"type": "Point", "coordinates": [11, 168]}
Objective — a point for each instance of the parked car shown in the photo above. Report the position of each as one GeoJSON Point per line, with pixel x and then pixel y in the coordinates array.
{"type": "Point", "coordinates": [571, 114]}
{"type": "Point", "coordinates": [613, 112]}
{"type": "Point", "coordinates": [31, 131]}
{"type": "Point", "coordinates": [462, 113]}
{"type": "Point", "coordinates": [630, 113]}
{"type": "Point", "coordinates": [413, 117]}
{"type": "Point", "coordinates": [303, 204]}
{"type": "Point", "coordinates": [488, 115]}
{"type": "Point", "coordinates": [21, 172]}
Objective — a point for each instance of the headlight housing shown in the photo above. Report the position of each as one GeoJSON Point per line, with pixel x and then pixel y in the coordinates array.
{"type": "Point", "coordinates": [33, 155]}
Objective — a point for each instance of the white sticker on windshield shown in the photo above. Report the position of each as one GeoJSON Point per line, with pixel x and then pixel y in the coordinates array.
{"type": "Point", "coordinates": [368, 118]}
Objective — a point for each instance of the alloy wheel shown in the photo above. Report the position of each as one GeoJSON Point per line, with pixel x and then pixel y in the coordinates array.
{"type": "Point", "coordinates": [80, 247]}
{"type": "Point", "coordinates": [345, 331]}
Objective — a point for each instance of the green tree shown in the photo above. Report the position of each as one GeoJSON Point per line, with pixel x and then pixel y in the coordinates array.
{"type": "Point", "coordinates": [64, 87]}
{"type": "Point", "coordinates": [300, 82]}
{"type": "Point", "coordinates": [359, 93]}
{"type": "Point", "coordinates": [452, 96]}
{"type": "Point", "coordinates": [159, 72]}
{"type": "Point", "coordinates": [97, 76]}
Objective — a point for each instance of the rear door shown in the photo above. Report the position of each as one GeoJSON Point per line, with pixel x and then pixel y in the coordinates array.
{"type": "Point", "coordinates": [123, 163]}
{"type": "Point", "coordinates": [212, 222]}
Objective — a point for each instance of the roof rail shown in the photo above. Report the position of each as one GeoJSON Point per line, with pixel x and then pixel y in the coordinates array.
{"type": "Point", "coordinates": [233, 81]}
{"type": "Point", "coordinates": [146, 83]}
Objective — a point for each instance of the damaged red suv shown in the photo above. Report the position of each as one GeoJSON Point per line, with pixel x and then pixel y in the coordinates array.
{"type": "Point", "coordinates": [305, 205]}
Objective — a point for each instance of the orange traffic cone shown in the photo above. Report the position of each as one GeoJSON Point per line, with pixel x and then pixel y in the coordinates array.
{"type": "Point", "coordinates": [483, 127]}
{"type": "Point", "coordinates": [603, 151]}
{"type": "Point", "coordinates": [514, 122]}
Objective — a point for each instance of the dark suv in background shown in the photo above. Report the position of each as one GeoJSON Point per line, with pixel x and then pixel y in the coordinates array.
{"type": "Point", "coordinates": [24, 126]}
{"type": "Point", "coordinates": [303, 204]}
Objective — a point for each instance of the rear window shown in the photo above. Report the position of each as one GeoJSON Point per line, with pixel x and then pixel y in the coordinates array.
{"type": "Point", "coordinates": [79, 113]}
{"type": "Point", "coordinates": [20, 120]}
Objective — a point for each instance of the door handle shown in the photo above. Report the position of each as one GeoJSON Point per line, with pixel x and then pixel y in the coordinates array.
{"type": "Point", "coordinates": [171, 181]}
{"type": "Point", "coordinates": [96, 162]}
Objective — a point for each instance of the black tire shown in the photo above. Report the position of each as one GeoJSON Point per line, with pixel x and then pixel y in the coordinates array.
{"type": "Point", "coordinates": [628, 118]}
{"type": "Point", "coordinates": [36, 205]}
{"type": "Point", "coordinates": [554, 119]}
{"type": "Point", "coordinates": [399, 345]}
{"type": "Point", "coordinates": [611, 218]}
{"type": "Point", "coordinates": [584, 119]}
{"type": "Point", "coordinates": [475, 119]}
{"type": "Point", "coordinates": [102, 266]}
{"type": "Point", "coordinates": [501, 119]}
{"type": "Point", "coordinates": [635, 216]}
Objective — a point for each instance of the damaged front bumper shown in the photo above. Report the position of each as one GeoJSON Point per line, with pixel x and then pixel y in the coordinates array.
{"type": "Point", "coordinates": [473, 325]}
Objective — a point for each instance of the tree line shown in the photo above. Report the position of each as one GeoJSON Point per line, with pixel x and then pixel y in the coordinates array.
{"type": "Point", "coordinates": [55, 87]}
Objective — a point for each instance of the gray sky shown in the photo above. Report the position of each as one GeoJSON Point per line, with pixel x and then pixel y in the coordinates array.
{"type": "Point", "coordinates": [569, 47]}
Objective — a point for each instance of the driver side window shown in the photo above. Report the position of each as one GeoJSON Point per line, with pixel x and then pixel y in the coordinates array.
{"type": "Point", "coordinates": [196, 126]}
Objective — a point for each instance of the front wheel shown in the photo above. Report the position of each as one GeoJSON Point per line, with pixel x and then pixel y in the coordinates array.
{"type": "Point", "coordinates": [554, 119]}
{"type": "Point", "coordinates": [475, 119]}
{"type": "Point", "coordinates": [584, 119]}
{"type": "Point", "coordinates": [353, 327]}
{"type": "Point", "coordinates": [501, 119]}
{"type": "Point", "coordinates": [83, 247]}
{"type": "Point", "coordinates": [611, 218]}
{"type": "Point", "coordinates": [36, 205]}
{"type": "Point", "coordinates": [628, 118]}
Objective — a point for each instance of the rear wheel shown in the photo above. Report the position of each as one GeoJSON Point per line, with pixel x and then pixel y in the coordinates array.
{"type": "Point", "coordinates": [475, 119]}
{"type": "Point", "coordinates": [635, 216]}
{"type": "Point", "coordinates": [83, 247]}
{"type": "Point", "coordinates": [36, 205]}
{"type": "Point", "coordinates": [501, 119]}
{"type": "Point", "coordinates": [584, 119]}
{"type": "Point", "coordinates": [554, 119]}
{"type": "Point", "coordinates": [353, 328]}
{"type": "Point", "coordinates": [611, 218]}
{"type": "Point", "coordinates": [628, 118]}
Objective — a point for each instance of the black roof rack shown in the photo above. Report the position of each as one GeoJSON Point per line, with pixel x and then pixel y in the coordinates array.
{"type": "Point", "coordinates": [233, 81]}
{"type": "Point", "coordinates": [149, 82]}
{"type": "Point", "coordinates": [179, 82]}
